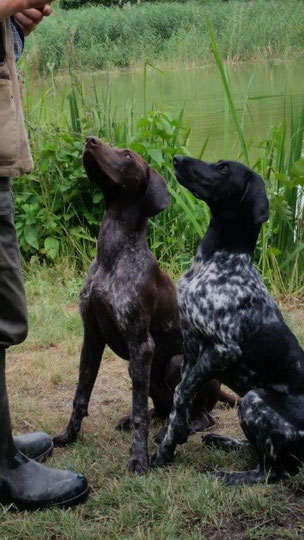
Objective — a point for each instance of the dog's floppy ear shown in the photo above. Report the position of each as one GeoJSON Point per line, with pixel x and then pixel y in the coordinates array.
{"type": "Point", "coordinates": [255, 200]}
{"type": "Point", "coordinates": [156, 197]}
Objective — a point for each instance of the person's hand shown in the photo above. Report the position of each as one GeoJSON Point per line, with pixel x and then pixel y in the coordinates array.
{"type": "Point", "coordinates": [31, 4]}
{"type": "Point", "coordinates": [28, 19]}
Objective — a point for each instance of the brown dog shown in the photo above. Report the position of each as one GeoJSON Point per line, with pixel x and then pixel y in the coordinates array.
{"type": "Point", "coordinates": [128, 303]}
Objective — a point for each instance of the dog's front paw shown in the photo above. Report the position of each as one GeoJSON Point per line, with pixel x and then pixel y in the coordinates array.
{"type": "Point", "coordinates": [161, 459]}
{"type": "Point", "coordinates": [64, 439]}
{"type": "Point", "coordinates": [138, 465]}
{"type": "Point", "coordinates": [180, 430]}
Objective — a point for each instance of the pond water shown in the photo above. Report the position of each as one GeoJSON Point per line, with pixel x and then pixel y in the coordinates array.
{"type": "Point", "coordinates": [268, 86]}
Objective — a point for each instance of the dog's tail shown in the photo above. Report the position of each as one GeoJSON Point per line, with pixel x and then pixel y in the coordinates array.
{"type": "Point", "coordinates": [232, 400]}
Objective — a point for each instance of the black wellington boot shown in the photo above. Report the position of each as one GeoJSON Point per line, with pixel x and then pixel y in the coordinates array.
{"type": "Point", "coordinates": [24, 482]}
{"type": "Point", "coordinates": [38, 445]}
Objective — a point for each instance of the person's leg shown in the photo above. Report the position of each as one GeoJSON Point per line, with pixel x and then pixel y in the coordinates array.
{"type": "Point", "coordinates": [23, 482]}
{"type": "Point", "coordinates": [7, 447]}
{"type": "Point", "coordinates": [13, 312]}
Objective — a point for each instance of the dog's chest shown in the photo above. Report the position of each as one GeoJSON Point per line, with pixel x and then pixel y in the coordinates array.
{"type": "Point", "coordinates": [114, 293]}
{"type": "Point", "coordinates": [222, 297]}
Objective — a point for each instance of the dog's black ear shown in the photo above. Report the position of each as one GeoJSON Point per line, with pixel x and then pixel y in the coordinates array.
{"type": "Point", "coordinates": [255, 200]}
{"type": "Point", "coordinates": [156, 197]}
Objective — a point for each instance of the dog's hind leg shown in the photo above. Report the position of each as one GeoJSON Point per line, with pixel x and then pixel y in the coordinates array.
{"type": "Point", "coordinates": [199, 423]}
{"type": "Point", "coordinates": [277, 441]}
{"type": "Point", "coordinates": [91, 354]}
{"type": "Point", "coordinates": [207, 395]}
{"type": "Point", "coordinates": [179, 421]}
{"type": "Point", "coordinates": [255, 476]}
{"type": "Point", "coordinates": [202, 362]}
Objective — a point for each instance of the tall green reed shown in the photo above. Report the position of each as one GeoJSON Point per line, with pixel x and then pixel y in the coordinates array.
{"type": "Point", "coordinates": [281, 247]}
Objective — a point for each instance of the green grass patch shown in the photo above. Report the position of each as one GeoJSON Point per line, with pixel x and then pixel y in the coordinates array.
{"type": "Point", "coordinates": [102, 38]}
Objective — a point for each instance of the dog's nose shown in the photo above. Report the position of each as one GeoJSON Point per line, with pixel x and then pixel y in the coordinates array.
{"type": "Point", "coordinates": [92, 141]}
{"type": "Point", "coordinates": [178, 159]}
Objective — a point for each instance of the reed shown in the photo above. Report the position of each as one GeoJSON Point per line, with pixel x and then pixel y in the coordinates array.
{"type": "Point", "coordinates": [281, 247]}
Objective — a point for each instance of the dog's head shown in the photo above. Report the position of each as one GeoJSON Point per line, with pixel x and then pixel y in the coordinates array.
{"type": "Point", "coordinates": [224, 186]}
{"type": "Point", "coordinates": [124, 176]}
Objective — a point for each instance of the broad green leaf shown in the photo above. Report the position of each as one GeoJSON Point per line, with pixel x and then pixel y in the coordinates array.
{"type": "Point", "coordinates": [157, 156]}
{"type": "Point", "coordinates": [97, 197]}
{"type": "Point", "coordinates": [31, 235]}
{"type": "Point", "coordinates": [51, 246]}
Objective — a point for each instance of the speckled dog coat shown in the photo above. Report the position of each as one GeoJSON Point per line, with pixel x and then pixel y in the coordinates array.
{"type": "Point", "coordinates": [234, 329]}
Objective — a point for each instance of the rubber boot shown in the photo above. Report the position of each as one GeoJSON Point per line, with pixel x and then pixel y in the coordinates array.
{"type": "Point", "coordinates": [38, 445]}
{"type": "Point", "coordinates": [24, 482]}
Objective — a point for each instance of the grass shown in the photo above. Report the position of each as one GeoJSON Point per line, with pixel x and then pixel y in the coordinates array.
{"type": "Point", "coordinates": [181, 501]}
{"type": "Point", "coordinates": [104, 38]}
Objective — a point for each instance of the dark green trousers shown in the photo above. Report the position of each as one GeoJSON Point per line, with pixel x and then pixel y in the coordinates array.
{"type": "Point", "coordinates": [13, 311]}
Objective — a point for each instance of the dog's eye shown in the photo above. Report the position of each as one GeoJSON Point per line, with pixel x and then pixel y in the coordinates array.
{"type": "Point", "coordinates": [223, 168]}
{"type": "Point", "coordinates": [128, 156]}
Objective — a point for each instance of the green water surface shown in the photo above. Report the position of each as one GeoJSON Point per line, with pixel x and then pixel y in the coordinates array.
{"type": "Point", "coordinates": [263, 94]}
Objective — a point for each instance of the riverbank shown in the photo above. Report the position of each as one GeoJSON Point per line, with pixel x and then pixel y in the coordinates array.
{"type": "Point", "coordinates": [97, 38]}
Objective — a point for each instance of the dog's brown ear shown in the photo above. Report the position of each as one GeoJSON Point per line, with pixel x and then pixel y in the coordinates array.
{"type": "Point", "coordinates": [255, 200]}
{"type": "Point", "coordinates": [156, 197]}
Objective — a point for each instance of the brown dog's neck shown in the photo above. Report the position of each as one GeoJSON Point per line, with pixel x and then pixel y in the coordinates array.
{"type": "Point", "coordinates": [127, 213]}
{"type": "Point", "coordinates": [121, 232]}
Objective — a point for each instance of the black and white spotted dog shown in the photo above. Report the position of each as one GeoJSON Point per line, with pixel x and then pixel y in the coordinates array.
{"type": "Point", "coordinates": [233, 330]}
